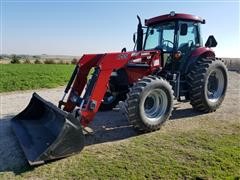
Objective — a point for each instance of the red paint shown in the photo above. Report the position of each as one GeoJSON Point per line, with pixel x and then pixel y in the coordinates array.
{"type": "Point", "coordinates": [85, 63]}
{"type": "Point", "coordinates": [167, 17]}
{"type": "Point", "coordinates": [107, 64]}
{"type": "Point", "coordinates": [203, 50]}
{"type": "Point", "coordinates": [144, 62]}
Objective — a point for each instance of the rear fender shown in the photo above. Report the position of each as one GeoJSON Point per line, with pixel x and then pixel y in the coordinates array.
{"type": "Point", "coordinates": [198, 53]}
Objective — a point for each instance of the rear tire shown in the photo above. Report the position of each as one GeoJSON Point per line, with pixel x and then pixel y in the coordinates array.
{"type": "Point", "coordinates": [149, 103]}
{"type": "Point", "coordinates": [207, 85]}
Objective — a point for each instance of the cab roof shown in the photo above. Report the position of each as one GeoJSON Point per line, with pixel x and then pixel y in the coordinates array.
{"type": "Point", "coordinates": [173, 16]}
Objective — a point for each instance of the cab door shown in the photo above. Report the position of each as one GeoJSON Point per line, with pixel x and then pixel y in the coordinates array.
{"type": "Point", "coordinates": [188, 37]}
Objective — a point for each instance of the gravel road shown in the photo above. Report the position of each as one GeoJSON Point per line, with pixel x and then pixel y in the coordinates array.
{"type": "Point", "coordinates": [108, 126]}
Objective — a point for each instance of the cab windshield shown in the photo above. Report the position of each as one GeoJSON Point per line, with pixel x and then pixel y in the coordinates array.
{"type": "Point", "coordinates": [160, 37]}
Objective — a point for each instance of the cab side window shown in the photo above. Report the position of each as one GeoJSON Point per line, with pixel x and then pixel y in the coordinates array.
{"type": "Point", "coordinates": [189, 40]}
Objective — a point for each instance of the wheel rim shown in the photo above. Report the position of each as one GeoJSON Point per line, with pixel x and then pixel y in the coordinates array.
{"type": "Point", "coordinates": [155, 105]}
{"type": "Point", "coordinates": [215, 85]}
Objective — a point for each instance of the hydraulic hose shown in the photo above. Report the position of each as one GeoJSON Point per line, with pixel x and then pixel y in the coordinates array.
{"type": "Point", "coordinates": [71, 79]}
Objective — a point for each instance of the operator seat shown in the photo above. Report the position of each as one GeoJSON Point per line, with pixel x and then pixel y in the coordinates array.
{"type": "Point", "coordinates": [184, 48]}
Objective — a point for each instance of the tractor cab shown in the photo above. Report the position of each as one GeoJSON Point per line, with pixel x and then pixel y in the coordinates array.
{"type": "Point", "coordinates": [175, 35]}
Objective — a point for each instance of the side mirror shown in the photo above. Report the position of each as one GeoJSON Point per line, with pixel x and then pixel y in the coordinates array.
{"type": "Point", "coordinates": [211, 42]}
{"type": "Point", "coordinates": [183, 29]}
{"type": "Point", "coordinates": [134, 38]}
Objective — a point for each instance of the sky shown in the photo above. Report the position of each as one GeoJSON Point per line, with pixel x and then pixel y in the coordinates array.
{"type": "Point", "coordinates": [58, 27]}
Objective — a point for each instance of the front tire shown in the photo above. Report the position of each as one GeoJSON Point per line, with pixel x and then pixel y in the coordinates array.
{"type": "Point", "coordinates": [149, 103]}
{"type": "Point", "coordinates": [207, 85]}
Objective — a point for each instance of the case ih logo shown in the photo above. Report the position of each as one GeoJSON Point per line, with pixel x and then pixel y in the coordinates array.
{"type": "Point", "coordinates": [122, 56]}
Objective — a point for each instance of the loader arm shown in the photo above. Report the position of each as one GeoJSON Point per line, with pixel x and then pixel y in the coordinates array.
{"type": "Point", "coordinates": [85, 64]}
{"type": "Point", "coordinates": [96, 87]}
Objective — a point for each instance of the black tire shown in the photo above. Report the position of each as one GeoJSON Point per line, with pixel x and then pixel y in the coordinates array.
{"type": "Point", "coordinates": [108, 106]}
{"type": "Point", "coordinates": [139, 105]}
{"type": "Point", "coordinates": [207, 84]}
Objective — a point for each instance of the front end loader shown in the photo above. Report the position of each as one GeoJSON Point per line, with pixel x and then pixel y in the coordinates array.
{"type": "Point", "coordinates": [45, 132]}
{"type": "Point", "coordinates": [169, 62]}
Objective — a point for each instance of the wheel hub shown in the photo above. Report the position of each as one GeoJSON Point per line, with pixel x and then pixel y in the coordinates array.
{"type": "Point", "coordinates": [149, 103]}
{"type": "Point", "coordinates": [215, 85]}
{"type": "Point", "coordinates": [155, 105]}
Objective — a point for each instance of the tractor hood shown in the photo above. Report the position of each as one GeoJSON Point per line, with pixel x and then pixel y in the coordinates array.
{"type": "Point", "coordinates": [131, 56]}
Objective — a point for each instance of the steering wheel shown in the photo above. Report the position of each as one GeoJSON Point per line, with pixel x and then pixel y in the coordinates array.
{"type": "Point", "coordinates": [168, 45]}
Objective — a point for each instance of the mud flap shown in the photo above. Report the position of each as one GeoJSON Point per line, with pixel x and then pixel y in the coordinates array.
{"type": "Point", "coordinates": [45, 132]}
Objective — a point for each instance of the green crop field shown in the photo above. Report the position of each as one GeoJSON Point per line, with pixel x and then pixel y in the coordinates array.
{"type": "Point", "coordinates": [15, 77]}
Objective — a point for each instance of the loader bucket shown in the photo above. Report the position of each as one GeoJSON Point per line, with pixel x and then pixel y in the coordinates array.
{"type": "Point", "coordinates": [45, 132]}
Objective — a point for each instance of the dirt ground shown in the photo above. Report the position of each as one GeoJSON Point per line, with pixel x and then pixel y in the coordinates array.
{"type": "Point", "coordinates": [108, 126]}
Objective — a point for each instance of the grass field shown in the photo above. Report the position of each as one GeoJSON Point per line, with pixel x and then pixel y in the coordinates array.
{"type": "Point", "coordinates": [33, 76]}
{"type": "Point", "coordinates": [204, 146]}
{"type": "Point", "coordinates": [208, 150]}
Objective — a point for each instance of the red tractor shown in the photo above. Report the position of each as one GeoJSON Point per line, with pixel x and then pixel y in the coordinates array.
{"type": "Point", "coordinates": [169, 62]}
